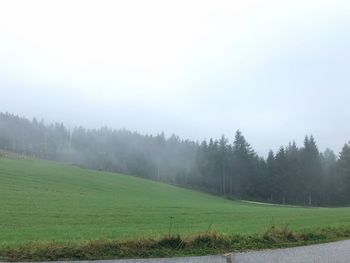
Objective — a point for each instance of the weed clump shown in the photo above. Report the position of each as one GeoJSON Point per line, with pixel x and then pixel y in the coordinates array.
{"type": "Point", "coordinates": [174, 242]}
{"type": "Point", "coordinates": [281, 234]}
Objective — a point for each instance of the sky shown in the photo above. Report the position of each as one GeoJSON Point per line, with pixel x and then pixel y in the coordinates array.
{"type": "Point", "coordinates": [276, 70]}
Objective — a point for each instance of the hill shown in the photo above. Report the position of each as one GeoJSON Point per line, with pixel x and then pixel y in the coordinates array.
{"type": "Point", "coordinates": [47, 201]}
{"type": "Point", "coordinates": [230, 167]}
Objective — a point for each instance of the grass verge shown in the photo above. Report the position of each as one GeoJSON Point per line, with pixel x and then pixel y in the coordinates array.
{"type": "Point", "coordinates": [171, 246]}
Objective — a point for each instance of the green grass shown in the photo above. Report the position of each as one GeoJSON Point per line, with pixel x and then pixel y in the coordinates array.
{"type": "Point", "coordinates": [42, 201]}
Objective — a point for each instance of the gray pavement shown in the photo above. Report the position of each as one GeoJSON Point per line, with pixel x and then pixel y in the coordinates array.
{"type": "Point", "coordinates": [336, 252]}
{"type": "Point", "coordinates": [207, 259]}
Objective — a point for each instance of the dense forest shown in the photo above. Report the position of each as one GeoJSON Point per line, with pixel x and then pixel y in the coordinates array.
{"type": "Point", "coordinates": [293, 175]}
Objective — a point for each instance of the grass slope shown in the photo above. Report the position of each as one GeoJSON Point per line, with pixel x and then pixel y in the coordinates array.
{"type": "Point", "coordinates": [44, 201]}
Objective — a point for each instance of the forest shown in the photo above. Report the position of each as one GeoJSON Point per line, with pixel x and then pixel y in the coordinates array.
{"type": "Point", "coordinates": [298, 175]}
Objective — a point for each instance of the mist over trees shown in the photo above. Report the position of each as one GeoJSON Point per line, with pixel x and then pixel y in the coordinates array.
{"type": "Point", "coordinates": [292, 175]}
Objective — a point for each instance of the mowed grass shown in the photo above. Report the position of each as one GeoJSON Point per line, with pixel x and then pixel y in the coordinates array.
{"type": "Point", "coordinates": [43, 201]}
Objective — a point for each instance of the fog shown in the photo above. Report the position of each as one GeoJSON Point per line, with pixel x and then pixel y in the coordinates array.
{"type": "Point", "coordinates": [276, 70]}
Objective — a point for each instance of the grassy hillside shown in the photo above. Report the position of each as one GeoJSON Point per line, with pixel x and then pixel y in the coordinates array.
{"type": "Point", "coordinates": [45, 201]}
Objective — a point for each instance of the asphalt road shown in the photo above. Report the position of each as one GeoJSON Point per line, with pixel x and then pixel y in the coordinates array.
{"type": "Point", "coordinates": [336, 252]}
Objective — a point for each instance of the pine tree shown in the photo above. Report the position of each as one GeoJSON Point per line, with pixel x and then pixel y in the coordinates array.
{"type": "Point", "coordinates": [271, 176]}
{"type": "Point", "coordinates": [223, 160]}
{"type": "Point", "coordinates": [344, 174]}
{"type": "Point", "coordinates": [312, 170]}
{"type": "Point", "coordinates": [243, 156]}
{"type": "Point", "coordinates": [282, 181]}
{"type": "Point", "coordinates": [344, 157]}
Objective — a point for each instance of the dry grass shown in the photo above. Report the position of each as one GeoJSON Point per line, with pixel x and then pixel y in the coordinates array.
{"type": "Point", "coordinates": [170, 246]}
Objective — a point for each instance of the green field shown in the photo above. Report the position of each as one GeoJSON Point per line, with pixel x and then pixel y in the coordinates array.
{"type": "Point", "coordinates": [46, 201]}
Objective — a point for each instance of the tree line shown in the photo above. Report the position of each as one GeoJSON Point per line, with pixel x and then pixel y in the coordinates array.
{"type": "Point", "coordinates": [292, 175]}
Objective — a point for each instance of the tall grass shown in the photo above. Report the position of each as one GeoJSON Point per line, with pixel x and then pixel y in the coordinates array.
{"type": "Point", "coordinates": [171, 245]}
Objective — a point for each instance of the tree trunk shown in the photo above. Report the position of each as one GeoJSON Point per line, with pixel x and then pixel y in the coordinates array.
{"type": "Point", "coordinates": [310, 199]}
{"type": "Point", "coordinates": [223, 182]}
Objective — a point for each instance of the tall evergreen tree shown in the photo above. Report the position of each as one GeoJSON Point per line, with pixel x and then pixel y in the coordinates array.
{"type": "Point", "coordinates": [243, 155]}
{"type": "Point", "coordinates": [313, 178]}
{"type": "Point", "coordinates": [344, 173]}
{"type": "Point", "coordinates": [223, 161]}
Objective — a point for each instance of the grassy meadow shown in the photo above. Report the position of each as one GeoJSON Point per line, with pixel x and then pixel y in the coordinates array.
{"type": "Point", "coordinates": [43, 201]}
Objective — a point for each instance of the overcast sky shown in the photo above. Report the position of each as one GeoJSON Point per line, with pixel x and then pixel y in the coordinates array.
{"type": "Point", "coordinates": [277, 70]}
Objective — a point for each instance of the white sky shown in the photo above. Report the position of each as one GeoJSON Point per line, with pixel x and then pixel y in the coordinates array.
{"type": "Point", "coordinates": [277, 70]}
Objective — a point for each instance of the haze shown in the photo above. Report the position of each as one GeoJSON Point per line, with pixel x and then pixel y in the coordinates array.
{"type": "Point", "coordinates": [277, 70]}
